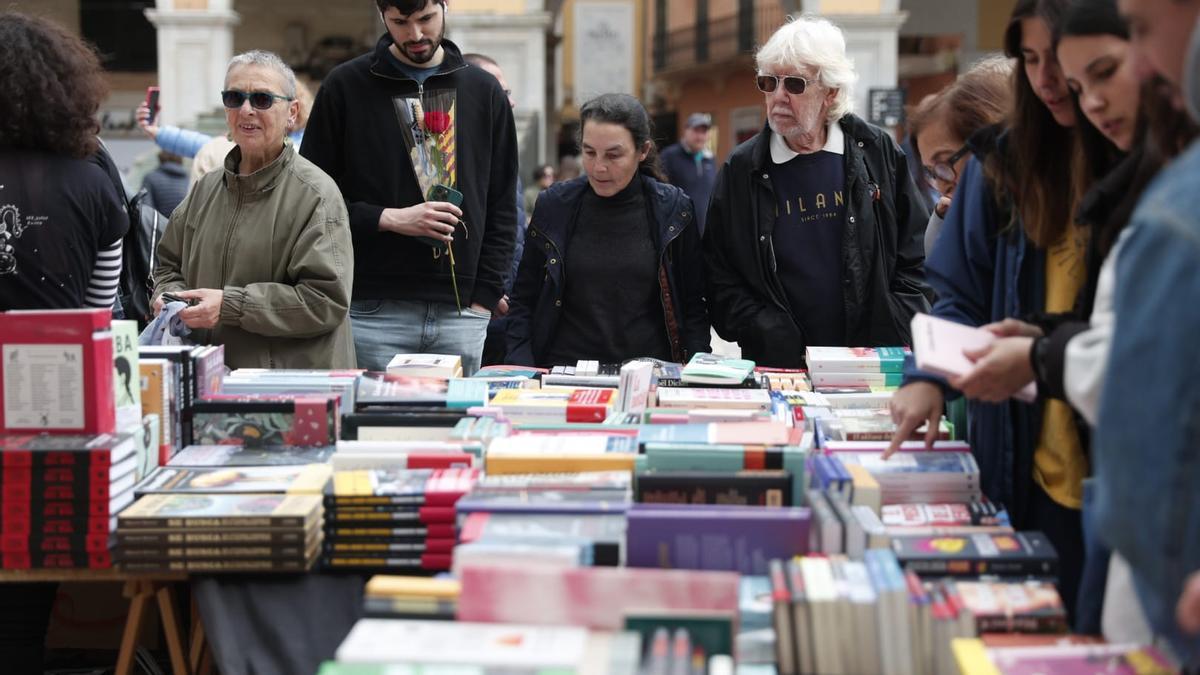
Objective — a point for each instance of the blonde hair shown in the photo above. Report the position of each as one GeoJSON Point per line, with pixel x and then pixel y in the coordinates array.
{"type": "Point", "coordinates": [813, 41]}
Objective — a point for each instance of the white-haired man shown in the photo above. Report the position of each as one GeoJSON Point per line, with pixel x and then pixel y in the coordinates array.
{"type": "Point", "coordinates": [815, 227]}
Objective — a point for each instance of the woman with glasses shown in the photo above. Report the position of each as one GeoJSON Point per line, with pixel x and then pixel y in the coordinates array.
{"type": "Point", "coordinates": [943, 126]}
{"type": "Point", "coordinates": [1010, 249]}
{"type": "Point", "coordinates": [261, 251]}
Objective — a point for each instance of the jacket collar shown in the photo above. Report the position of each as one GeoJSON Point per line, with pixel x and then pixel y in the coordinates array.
{"type": "Point", "coordinates": [383, 66]}
{"type": "Point", "coordinates": [835, 142]}
{"type": "Point", "coordinates": [854, 131]}
{"type": "Point", "coordinates": [261, 181]}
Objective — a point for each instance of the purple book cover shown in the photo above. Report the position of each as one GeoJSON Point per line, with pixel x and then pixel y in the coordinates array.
{"type": "Point", "coordinates": [708, 537]}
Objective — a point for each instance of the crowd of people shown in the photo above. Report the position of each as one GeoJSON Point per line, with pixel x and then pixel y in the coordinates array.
{"type": "Point", "coordinates": [388, 216]}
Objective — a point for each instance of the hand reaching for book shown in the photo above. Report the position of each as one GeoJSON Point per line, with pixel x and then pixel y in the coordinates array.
{"type": "Point", "coordinates": [207, 312]}
{"type": "Point", "coordinates": [911, 406]}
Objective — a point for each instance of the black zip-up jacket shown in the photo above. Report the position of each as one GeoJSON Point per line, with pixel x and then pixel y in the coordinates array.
{"type": "Point", "coordinates": [538, 292]}
{"type": "Point", "coordinates": [355, 136]}
{"type": "Point", "coordinates": [883, 253]}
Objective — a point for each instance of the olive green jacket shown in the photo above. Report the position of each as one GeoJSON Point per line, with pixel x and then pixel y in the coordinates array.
{"type": "Point", "coordinates": [277, 242]}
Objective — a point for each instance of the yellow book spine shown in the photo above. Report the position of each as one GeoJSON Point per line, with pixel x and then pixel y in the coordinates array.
{"type": "Point", "coordinates": [510, 464]}
{"type": "Point", "coordinates": [971, 656]}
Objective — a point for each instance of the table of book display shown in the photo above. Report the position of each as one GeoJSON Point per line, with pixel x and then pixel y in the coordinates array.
{"type": "Point", "coordinates": [712, 517]}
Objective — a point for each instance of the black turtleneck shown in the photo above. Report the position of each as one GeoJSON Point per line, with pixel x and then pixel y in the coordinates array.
{"type": "Point", "coordinates": [612, 304]}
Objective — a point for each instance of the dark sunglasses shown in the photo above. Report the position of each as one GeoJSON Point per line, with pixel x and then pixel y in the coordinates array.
{"type": "Point", "coordinates": [944, 170]}
{"type": "Point", "coordinates": [259, 100]}
{"type": "Point", "coordinates": [793, 85]}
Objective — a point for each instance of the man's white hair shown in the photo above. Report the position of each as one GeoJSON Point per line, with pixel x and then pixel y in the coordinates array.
{"type": "Point", "coordinates": [265, 59]}
{"type": "Point", "coordinates": [817, 43]}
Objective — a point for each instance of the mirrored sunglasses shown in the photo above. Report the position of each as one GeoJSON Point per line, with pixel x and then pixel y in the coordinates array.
{"type": "Point", "coordinates": [792, 84]}
{"type": "Point", "coordinates": [259, 100]}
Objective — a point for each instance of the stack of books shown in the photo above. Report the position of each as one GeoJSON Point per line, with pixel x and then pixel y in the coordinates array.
{"type": "Point", "coordinates": [406, 597]}
{"type": "Point", "coordinates": [394, 520]}
{"type": "Point", "coordinates": [60, 496]}
{"type": "Point", "coordinates": [850, 369]}
{"type": "Point", "coordinates": [294, 382]}
{"type": "Point", "coordinates": [220, 533]}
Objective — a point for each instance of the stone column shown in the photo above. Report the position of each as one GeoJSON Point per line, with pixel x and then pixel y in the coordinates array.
{"type": "Point", "coordinates": [518, 43]}
{"type": "Point", "coordinates": [195, 43]}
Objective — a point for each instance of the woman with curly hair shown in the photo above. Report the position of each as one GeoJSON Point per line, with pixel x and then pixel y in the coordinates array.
{"type": "Point", "coordinates": [61, 215]}
{"type": "Point", "coordinates": [61, 223]}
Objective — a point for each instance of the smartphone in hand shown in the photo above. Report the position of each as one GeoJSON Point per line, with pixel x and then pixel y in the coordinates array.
{"type": "Point", "coordinates": [441, 193]}
{"type": "Point", "coordinates": [152, 104]}
{"type": "Point", "coordinates": [171, 297]}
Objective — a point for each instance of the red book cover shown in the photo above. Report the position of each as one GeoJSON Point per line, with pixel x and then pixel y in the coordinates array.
{"type": "Point", "coordinates": [434, 460]}
{"type": "Point", "coordinates": [589, 405]}
{"type": "Point", "coordinates": [57, 372]}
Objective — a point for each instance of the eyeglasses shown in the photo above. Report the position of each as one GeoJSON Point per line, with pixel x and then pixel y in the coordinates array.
{"type": "Point", "coordinates": [259, 100]}
{"type": "Point", "coordinates": [944, 170]}
{"type": "Point", "coordinates": [792, 84]}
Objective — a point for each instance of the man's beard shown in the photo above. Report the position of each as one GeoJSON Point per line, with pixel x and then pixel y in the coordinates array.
{"type": "Point", "coordinates": [434, 45]}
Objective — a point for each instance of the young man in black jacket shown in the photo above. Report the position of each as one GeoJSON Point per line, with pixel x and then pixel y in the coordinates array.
{"type": "Point", "coordinates": [815, 229]}
{"type": "Point", "coordinates": [389, 127]}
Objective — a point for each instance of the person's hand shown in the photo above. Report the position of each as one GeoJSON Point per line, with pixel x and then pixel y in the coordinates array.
{"type": "Point", "coordinates": [1013, 328]}
{"type": "Point", "coordinates": [435, 220]}
{"type": "Point", "coordinates": [204, 314]}
{"type": "Point", "coordinates": [158, 305]}
{"type": "Point", "coordinates": [502, 307]}
{"type": "Point", "coordinates": [1187, 611]}
{"type": "Point", "coordinates": [942, 206]}
{"type": "Point", "coordinates": [143, 121]}
{"type": "Point", "coordinates": [1002, 368]}
{"type": "Point", "coordinates": [912, 405]}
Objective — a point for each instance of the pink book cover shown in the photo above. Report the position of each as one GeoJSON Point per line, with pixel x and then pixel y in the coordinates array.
{"type": "Point", "coordinates": [938, 346]}
{"type": "Point", "coordinates": [1108, 659]}
{"type": "Point", "coordinates": [595, 597]}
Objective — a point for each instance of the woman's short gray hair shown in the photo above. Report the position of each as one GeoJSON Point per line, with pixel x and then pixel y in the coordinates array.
{"type": "Point", "coordinates": [815, 42]}
{"type": "Point", "coordinates": [265, 59]}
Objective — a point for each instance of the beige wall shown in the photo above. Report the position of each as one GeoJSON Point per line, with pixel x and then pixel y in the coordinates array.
{"type": "Point", "coordinates": [853, 6]}
{"type": "Point", "coordinates": [65, 12]}
{"type": "Point", "coordinates": [488, 6]}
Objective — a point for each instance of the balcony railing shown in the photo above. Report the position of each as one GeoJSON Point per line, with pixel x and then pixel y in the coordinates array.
{"type": "Point", "coordinates": [717, 40]}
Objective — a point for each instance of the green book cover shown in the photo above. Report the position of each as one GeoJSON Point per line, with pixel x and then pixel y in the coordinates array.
{"type": "Point", "coordinates": [127, 385]}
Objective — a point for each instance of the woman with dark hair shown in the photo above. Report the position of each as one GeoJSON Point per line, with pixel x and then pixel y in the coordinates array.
{"type": "Point", "coordinates": [612, 265]}
{"type": "Point", "coordinates": [943, 126]}
{"type": "Point", "coordinates": [1009, 249]}
{"type": "Point", "coordinates": [1127, 133]}
{"type": "Point", "coordinates": [62, 216]}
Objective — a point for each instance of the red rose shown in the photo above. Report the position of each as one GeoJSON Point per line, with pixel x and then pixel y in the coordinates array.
{"type": "Point", "coordinates": [437, 122]}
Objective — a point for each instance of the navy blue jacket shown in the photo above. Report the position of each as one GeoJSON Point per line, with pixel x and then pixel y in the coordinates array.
{"type": "Point", "coordinates": [984, 269]}
{"type": "Point", "coordinates": [696, 180]}
{"type": "Point", "coordinates": [537, 295]}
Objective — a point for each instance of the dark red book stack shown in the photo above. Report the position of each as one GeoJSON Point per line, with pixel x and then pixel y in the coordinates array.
{"type": "Point", "coordinates": [59, 496]}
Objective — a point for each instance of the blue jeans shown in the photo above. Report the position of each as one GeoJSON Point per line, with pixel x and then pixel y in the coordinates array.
{"type": "Point", "coordinates": [1090, 605]}
{"type": "Point", "coordinates": [384, 328]}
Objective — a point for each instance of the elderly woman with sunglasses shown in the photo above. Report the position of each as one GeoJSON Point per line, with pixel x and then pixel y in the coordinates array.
{"type": "Point", "coordinates": [261, 251]}
{"type": "Point", "coordinates": [815, 226]}
{"type": "Point", "coordinates": [944, 127]}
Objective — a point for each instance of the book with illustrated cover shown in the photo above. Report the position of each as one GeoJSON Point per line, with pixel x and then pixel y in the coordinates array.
{"type": "Point", "coordinates": [1013, 607]}
{"type": "Point", "coordinates": [306, 479]}
{"type": "Point", "coordinates": [311, 419]}
{"type": "Point", "coordinates": [56, 368]}
{"type": "Point", "coordinates": [1015, 554]}
{"type": "Point", "coordinates": [943, 515]}
{"type": "Point", "coordinates": [427, 487]}
{"type": "Point", "coordinates": [210, 511]}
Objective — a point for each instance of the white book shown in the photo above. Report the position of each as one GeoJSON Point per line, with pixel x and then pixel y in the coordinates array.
{"type": "Point", "coordinates": [822, 596]}
{"type": "Point", "coordinates": [699, 397]}
{"type": "Point", "coordinates": [384, 641]}
{"type": "Point", "coordinates": [426, 365]}
{"type": "Point", "coordinates": [938, 346]}
{"type": "Point", "coordinates": [634, 387]}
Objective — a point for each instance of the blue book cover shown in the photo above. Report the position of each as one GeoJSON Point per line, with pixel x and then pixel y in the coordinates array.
{"type": "Point", "coordinates": [702, 537]}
